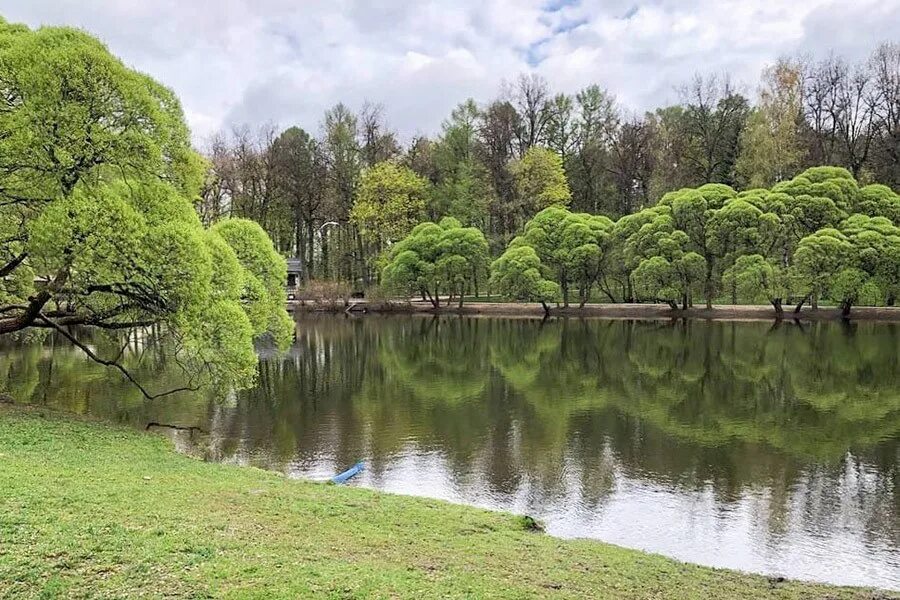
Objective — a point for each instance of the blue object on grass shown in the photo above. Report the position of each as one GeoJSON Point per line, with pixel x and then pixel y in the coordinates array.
{"type": "Point", "coordinates": [354, 470]}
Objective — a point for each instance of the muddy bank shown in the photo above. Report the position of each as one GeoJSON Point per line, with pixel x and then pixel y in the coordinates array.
{"type": "Point", "coordinates": [609, 311]}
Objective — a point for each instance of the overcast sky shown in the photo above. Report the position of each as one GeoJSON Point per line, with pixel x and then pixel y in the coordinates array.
{"type": "Point", "coordinates": [286, 61]}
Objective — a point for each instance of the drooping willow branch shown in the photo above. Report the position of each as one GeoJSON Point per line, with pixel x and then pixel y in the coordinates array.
{"type": "Point", "coordinates": [111, 363]}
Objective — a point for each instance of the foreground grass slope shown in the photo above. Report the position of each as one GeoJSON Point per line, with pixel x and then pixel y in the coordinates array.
{"type": "Point", "coordinates": [90, 510]}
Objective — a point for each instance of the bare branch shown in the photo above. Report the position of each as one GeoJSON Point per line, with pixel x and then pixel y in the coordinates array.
{"type": "Point", "coordinates": [111, 363]}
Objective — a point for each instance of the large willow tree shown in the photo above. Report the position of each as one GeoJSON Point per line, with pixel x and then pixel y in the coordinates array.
{"type": "Point", "coordinates": [97, 225]}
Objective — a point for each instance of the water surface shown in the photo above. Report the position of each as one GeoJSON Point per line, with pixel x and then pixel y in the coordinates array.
{"type": "Point", "coordinates": [773, 449]}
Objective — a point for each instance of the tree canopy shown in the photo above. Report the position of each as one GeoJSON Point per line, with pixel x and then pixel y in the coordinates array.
{"type": "Point", "coordinates": [438, 259]}
{"type": "Point", "coordinates": [98, 228]}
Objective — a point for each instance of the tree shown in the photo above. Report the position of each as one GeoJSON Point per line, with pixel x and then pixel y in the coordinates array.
{"type": "Point", "coordinates": [436, 259]}
{"type": "Point", "coordinates": [632, 162]}
{"type": "Point", "coordinates": [714, 116]}
{"type": "Point", "coordinates": [96, 191]}
{"type": "Point", "coordinates": [390, 201]}
{"type": "Point", "coordinates": [562, 128]}
{"type": "Point", "coordinates": [497, 127]}
{"type": "Point", "coordinates": [885, 68]}
{"type": "Point", "coordinates": [770, 142]}
{"type": "Point", "coordinates": [463, 256]}
{"type": "Point", "coordinates": [517, 274]}
{"type": "Point", "coordinates": [665, 267]}
{"type": "Point", "coordinates": [672, 143]}
{"type": "Point", "coordinates": [877, 200]}
{"type": "Point", "coordinates": [540, 181]}
{"type": "Point", "coordinates": [876, 253]}
{"type": "Point", "coordinates": [532, 101]}
{"type": "Point", "coordinates": [343, 158]}
{"type": "Point", "coordinates": [377, 144]}
{"type": "Point", "coordinates": [299, 169]}
{"type": "Point", "coordinates": [839, 102]}
{"type": "Point", "coordinates": [462, 188]}
{"type": "Point", "coordinates": [819, 259]}
{"type": "Point", "coordinates": [693, 212]}
{"type": "Point", "coordinates": [595, 124]}
{"type": "Point", "coordinates": [756, 278]}
{"type": "Point", "coordinates": [569, 247]}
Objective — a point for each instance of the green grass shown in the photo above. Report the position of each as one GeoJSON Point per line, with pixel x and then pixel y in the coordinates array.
{"type": "Point", "coordinates": [89, 510]}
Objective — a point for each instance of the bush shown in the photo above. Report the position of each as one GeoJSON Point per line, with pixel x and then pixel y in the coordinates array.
{"type": "Point", "coordinates": [325, 293]}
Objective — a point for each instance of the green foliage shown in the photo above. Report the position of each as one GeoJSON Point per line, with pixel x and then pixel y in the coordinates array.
{"type": "Point", "coordinates": [541, 180]}
{"type": "Point", "coordinates": [569, 246]}
{"type": "Point", "coordinates": [756, 279]}
{"type": "Point", "coordinates": [264, 274]}
{"type": "Point", "coordinates": [97, 183]}
{"type": "Point", "coordinates": [436, 259]}
{"type": "Point", "coordinates": [390, 201]}
{"type": "Point", "coordinates": [879, 201]}
{"type": "Point", "coordinates": [517, 275]}
{"type": "Point", "coordinates": [820, 257]}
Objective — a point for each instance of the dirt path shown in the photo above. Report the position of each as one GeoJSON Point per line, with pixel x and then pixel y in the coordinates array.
{"type": "Point", "coordinates": [617, 311]}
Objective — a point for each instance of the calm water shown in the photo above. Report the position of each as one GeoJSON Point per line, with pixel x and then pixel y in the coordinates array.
{"type": "Point", "coordinates": [769, 449]}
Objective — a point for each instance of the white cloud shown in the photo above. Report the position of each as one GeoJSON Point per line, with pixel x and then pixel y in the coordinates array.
{"type": "Point", "coordinates": [282, 61]}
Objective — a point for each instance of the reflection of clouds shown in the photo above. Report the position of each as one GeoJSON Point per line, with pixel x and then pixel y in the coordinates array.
{"type": "Point", "coordinates": [720, 443]}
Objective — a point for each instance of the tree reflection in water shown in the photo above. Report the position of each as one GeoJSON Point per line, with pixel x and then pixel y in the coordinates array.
{"type": "Point", "coordinates": [795, 426]}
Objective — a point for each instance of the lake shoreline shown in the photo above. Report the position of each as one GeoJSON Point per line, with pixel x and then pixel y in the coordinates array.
{"type": "Point", "coordinates": [87, 517]}
{"type": "Point", "coordinates": [607, 311]}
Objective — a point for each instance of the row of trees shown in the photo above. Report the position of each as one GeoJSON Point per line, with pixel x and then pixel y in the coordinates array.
{"type": "Point", "coordinates": [819, 235]}
{"type": "Point", "coordinates": [322, 197]}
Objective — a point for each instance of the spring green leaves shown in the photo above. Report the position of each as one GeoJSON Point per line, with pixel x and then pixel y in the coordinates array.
{"type": "Point", "coordinates": [438, 259]}
{"type": "Point", "coordinates": [98, 228]}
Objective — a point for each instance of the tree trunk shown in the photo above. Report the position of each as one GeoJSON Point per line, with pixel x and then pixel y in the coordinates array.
{"type": "Point", "coordinates": [672, 304]}
{"type": "Point", "coordinates": [800, 304]}
{"type": "Point", "coordinates": [363, 267]}
{"type": "Point", "coordinates": [684, 301]}
{"type": "Point", "coordinates": [776, 304]}
{"type": "Point", "coordinates": [310, 250]}
{"type": "Point", "coordinates": [301, 254]}
{"type": "Point", "coordinates": [891, 299]}
{"type": "Point", "coordinates": [565, 291]}
{"type": "Point", "coordinates": [461, 296]}
{"type": "Point", "coordinates": [815, 301]}
{"type": "Point", "coordinates": [546, 308]}
{"type": "Point", "coordinates": [435, 300]}
{"type": "Point", "coordinates": [323, 238]}
{"type": "Point", "coordinates": [845, 308]}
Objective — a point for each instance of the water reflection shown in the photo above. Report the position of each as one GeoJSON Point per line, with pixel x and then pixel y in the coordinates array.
{"type": "Point", "coordinates": [771, 449]}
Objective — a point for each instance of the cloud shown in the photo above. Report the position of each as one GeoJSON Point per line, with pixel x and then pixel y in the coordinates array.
{"type": "Point", "coordinates": [285, 62]}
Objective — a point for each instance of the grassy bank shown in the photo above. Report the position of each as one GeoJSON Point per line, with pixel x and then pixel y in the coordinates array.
{"type": "Point", "coordinates": [91, 510]}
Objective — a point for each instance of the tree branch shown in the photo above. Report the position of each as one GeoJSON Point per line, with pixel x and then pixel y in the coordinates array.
{"type": "Point", "coordinates": [12, 265]}
{"type": "Point", "coordinates": [111, 363]}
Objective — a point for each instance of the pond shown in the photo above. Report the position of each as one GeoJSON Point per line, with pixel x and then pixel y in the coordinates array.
{"type": "Point", "coordinates": [773, 449]}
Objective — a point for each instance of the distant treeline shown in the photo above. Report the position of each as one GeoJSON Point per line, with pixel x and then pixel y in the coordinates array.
{"type": "Point", "coordinates": [306, 190]}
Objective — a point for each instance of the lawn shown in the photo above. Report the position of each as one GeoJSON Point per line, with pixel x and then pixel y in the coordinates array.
{"type": "Point", "coordinates": [89, 510]}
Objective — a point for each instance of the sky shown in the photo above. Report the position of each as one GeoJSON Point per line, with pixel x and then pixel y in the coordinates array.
{"type": "Point", "coordinates": [284, 62]}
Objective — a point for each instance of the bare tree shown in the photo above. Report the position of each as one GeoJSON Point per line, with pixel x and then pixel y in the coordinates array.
{"type": "Point", "coordinates": [531, 98]}
{"type": "Point", "coordinates": [377, 142]}
{"type": "Point", "coordinates": [840, 107]}
{"type": "Point", "coordinates": [714, 117]}
{"type": "Point", "coordinates": [885, 69]}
